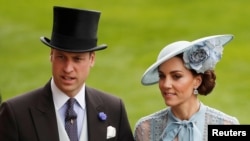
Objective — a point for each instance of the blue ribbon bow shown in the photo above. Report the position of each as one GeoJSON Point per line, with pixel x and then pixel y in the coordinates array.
{"type": "Point", "coordinates": [183, 130]}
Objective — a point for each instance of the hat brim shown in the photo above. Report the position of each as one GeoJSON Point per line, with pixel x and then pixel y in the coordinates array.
{"type": "Point", "coordinates": [46, 41]}
{"type": "Point", "coordinates": [150, 76]}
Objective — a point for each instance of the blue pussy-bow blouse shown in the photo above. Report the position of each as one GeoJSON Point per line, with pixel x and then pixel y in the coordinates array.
{"type": "Point", "coordinates": [185, 130]}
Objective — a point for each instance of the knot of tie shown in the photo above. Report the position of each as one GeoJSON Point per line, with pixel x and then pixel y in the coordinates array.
{"type": "Point", "coordinates": [185, 123]}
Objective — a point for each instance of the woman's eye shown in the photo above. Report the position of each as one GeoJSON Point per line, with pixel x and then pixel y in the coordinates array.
{"type": "Point", "coordinates": [161, 76]}
{"type": "Point", "coordinates": [176, 76]}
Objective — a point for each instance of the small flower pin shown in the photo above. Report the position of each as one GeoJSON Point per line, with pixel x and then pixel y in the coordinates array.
{"type": "Point", "coordinates": [102, 116]}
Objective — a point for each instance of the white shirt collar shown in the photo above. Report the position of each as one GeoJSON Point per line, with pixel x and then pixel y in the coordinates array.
{"type": "Point", "coordinates": [60, 98]}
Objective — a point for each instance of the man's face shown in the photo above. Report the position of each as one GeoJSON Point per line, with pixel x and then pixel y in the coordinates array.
{"type": "Point", "coordinates": [70, 70]}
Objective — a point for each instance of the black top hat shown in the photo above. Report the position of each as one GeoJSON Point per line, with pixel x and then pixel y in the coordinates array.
{"type": "Point", "coordinates": [74, 30]}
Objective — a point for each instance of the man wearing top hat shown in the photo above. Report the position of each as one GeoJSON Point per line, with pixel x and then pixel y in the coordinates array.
{"type": "Point", "coordinates": [66, 109]}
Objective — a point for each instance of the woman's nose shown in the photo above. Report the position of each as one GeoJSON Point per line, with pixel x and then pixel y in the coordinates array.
{"type": "Point", "coordinates": [167, 83]}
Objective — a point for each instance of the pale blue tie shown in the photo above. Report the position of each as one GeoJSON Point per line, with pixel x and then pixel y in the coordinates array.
{"type": "Point", "coordinates": [70, 120]}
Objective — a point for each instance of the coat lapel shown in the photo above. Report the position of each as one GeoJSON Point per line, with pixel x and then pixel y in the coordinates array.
{"type": "Point", "coordinates": [97, 129]}
{"type": "Point", "coordinates": [44, 116]}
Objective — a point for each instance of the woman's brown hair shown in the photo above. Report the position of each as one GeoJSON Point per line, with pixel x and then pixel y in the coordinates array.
{"type": "Point", "coordinates": [208, 80]}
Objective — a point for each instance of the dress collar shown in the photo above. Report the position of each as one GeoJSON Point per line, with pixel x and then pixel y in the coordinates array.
{"type": "Point", "coordinates": [188, 130]}
{"type": "Point", "coordinates": [60, 98]}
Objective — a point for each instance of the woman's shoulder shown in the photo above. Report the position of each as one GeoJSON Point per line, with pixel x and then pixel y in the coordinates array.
{"type": "Point", "coordinates": [155, 121]}
{"type": "Point", "coordinates": [159, 115]}
{"type": "Point", "coordinates": [215, 116]}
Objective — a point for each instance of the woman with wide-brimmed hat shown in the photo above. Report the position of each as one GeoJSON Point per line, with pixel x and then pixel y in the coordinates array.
{"type": "Point", "coordinates": [183, 71]}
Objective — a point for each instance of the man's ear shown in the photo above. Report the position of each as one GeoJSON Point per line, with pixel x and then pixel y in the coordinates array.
{"type": "Point", "coordinates": [92, 59]}
{"type": "Point", "coordinates": [51, 53]}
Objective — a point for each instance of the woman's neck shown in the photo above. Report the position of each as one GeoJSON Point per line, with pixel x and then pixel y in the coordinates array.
{"type": "Point", "coordinates": [186, 110]}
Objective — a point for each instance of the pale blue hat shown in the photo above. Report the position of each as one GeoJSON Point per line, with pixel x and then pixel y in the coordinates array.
{"type": "Point", "coordinates": [201, 54]}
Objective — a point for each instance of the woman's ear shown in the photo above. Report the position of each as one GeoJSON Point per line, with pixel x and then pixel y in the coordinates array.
{"type": "Point", "coordinates": [198, 81]}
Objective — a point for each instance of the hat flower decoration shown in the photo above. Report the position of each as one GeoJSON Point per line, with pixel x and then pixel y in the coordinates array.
{"type": "Point", "coordinates": [204, 56]}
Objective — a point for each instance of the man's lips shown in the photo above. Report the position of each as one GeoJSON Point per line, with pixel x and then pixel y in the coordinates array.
{"type": "Point", "coordinates": [68, 79]}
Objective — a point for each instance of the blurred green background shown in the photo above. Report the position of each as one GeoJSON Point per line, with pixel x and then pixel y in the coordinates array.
{"type": "Point", "coordinates": [135, 31]}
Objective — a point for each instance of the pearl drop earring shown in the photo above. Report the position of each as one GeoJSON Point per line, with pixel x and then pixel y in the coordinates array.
{"type": "Point", "coordinates": [195, 91]}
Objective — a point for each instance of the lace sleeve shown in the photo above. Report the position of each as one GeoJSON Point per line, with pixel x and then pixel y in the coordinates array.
{"type": "Point", "coordinates": [142, 131]}
{"type": "Point", "coordinates": [150, 128]}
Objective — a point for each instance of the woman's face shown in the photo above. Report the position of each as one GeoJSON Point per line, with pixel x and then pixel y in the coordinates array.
{"type": "Point", "coordinates": [177, 83]}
